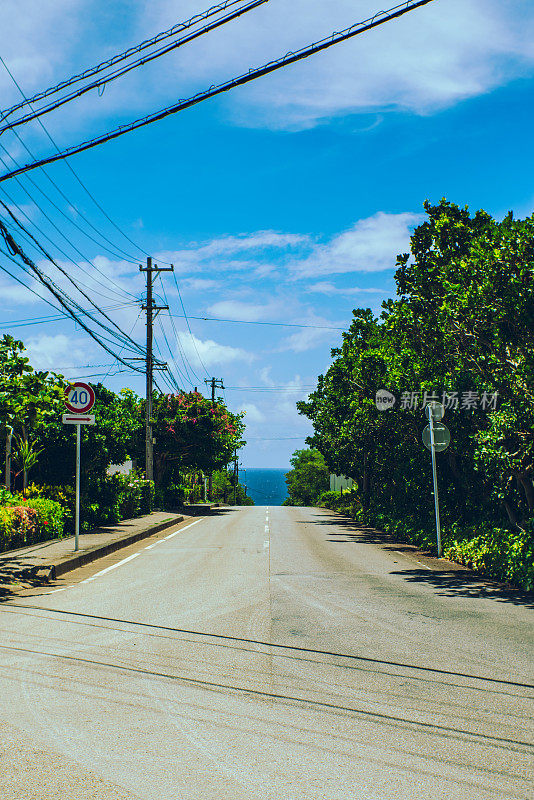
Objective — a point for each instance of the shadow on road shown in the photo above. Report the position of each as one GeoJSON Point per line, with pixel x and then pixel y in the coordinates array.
{"type": "Point", "coordinates": [281, 649]}
{"type": "Point", "coordinates": [13, 573]}
{"type": "Point", "coordinates": [456, 583]}
{"type": "Point", "coordinates": [452, 582]}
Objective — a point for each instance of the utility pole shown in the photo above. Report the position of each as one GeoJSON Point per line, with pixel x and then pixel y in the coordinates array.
{"type": "Point", "coordinates": [150, 308]}
{"type": "Point", "coordinates": [215, 382]}
{"type": "Point", "coordinates": [9, 436]}
{"type": "Point", "coordinates": [236, 476]}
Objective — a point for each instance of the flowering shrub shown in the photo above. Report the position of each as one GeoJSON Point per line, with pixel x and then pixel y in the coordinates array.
{"type": "Point", "coordinates": [103, 501]}
{"type": "Point", "coordinates": [64, 495]}
{"type": "Point", "coordinates": [192, 433]}
{"type": "Point", "coordinates": [28, 521]}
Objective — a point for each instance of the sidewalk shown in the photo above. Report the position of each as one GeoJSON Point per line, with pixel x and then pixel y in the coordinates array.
{"type": "Point", "coordinates": [46, 560]}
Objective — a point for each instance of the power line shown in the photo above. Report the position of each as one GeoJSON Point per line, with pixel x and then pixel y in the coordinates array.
{"type": "Point", "coordinates": [193, 340]}
{"type": "Point", "coordinates": [276, 438]}
{"type": "Point", "coordinates": [70, 279]}
{"type": "Point", "coordinates": [23, 323]}
{"type": "Point", "coordinates": [270, 388]}
{"type": "Point", "coordinates": [185, 361]}
{"type": "Point", "coordinates": [76, 249]}
{"type": "Point", "coordinates": [88, 73]}
{"type": "Point", "coordinates": [261, 322]}
{"type": "Point", "coordinates": [335, 38]}
{"type": "Point", "coordinates": [68, 312]}
{"type": "Point", "coordinates": [122, 348]}
{"type": "Point", "coordinates": [98, 84]}
{"type": "Point", "coordinates": [76, 177]}
{"type": "Point", "coordinates": [58, 294]}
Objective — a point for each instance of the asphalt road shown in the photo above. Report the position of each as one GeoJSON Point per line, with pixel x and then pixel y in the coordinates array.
{"type": "Point", "coordinates": [267, 653]}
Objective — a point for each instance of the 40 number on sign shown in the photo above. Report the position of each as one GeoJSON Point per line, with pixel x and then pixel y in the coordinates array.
{"type": "Point", "coordinates": [79, 397]}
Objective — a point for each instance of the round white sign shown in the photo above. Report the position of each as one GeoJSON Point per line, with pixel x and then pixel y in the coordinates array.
{"type": "Point", "coordinates": [79, 397]}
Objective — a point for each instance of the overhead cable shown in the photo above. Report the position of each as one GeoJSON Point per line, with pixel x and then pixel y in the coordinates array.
{"type": "Point", "coordinates": [86, 259]}
{"type": "Point", "coordinates": [261, 322]}
{"type": "Point", "coordinates": [78, 180]}
{"type": "Point", "coordinates": [88, 73]}
{"type": "Point", "coordinates": [193, 340]}
{"type": "Point", "coordinates": [64, 272]}
{"type": "Point", "coordinates": [101, 82]}
{"type": "Point", "coordinates": [15, 249]}
{"type": "Point", "coordinates": [335, 38]}
{"type": "Point", "coordinates": [22, 323]}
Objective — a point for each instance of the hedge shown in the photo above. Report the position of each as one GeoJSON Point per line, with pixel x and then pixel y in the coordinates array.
{"type": "Point", "coordinates": [27, 521]}
{"type": "Point", "coordinates": [493, 551]}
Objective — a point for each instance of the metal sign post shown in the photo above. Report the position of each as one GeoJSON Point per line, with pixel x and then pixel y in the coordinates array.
{"type": "Point", "coordinates": [77, 520]}
{"type": "Point", "coordinates": [436, 437]}
{"type": "Point", "coordinates": [435, 479]}
{"type": "Point", "coordinates": [79, 398]}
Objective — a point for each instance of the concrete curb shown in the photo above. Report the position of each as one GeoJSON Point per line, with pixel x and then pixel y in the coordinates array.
{"type": "Point", "coordinates": [53, 570]}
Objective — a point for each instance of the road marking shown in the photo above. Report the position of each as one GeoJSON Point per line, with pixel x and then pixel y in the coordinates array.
{"type": "Point", "coordinates": [266, 529]}
{"type": "Point", "coordinates": [425, 566]}
{"type": "Point", "coordinates": [175, 533]}
{"type": "Point", "coordinates": [113, 566]}
{"type": "Point", "coordinates": [130, 558]}
{"type": "Point", "coordinates": [266, 544]}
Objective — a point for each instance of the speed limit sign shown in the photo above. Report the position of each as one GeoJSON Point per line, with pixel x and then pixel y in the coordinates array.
{"type": "Point", "coordinates": [79, 398]}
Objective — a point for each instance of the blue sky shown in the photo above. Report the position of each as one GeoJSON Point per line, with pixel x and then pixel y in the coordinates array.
{"type": "Point", "coordinates": [283, 201]}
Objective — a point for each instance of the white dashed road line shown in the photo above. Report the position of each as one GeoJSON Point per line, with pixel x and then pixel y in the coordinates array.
{"type": "Point", "coordinates": [129, 558]}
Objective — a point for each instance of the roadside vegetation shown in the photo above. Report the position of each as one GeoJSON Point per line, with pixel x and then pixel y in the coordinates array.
{"type": "Point", "coordinates": [308, 480]}
{"type": "Point", "coordinates": [461, 330]}
{"type": "Point", "coordinates": [193, 438]}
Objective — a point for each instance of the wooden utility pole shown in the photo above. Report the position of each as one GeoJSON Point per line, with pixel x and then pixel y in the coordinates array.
{"type": "Point", "coordinates": [236, 476]}
{"type": "Point", "coordinates": [150, 308]}
{"type": "Point", "coordinates": [215, 382]}
{"type": "Point", "coordinates": [9, 436]}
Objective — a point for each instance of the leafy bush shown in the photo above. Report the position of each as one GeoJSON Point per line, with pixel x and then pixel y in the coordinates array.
{"type": "Point", "coordinates": [105, 500]}
{"type": "Point", "coordinates": [25, 522]}
{"type": "Point", "coordinates": [347, 502]}
{"type": "Point", "coordinates": [194, 494]}
{"type": "Point", "coordinates": [109, 499]}
{"type": "Point", "coordinates": [498, 553]}
{"type": "Point", "coordinates": [6, 497]}
{"type": "Point", "coordinates": [170, 496]}
{"type": "Point", "coordinates": [64, 495]}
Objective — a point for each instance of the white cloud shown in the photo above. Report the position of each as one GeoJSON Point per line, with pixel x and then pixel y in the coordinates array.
{"type": "Point", "coordinates": [307, 339]}
{"type": "Point", "coordinates": [17, 294]}
{"type": "Point", "coordinates": [328, 288]}
{"type": "Point", "coordinates": [200, 284]}
{"type": "Point", "coordinates": [57, 353]}
{"type": "Point", "coordinates": [431, 58]}
{"type": "Point", "coordinates": [252, 412]}
{"type": "Point", "coordinates": [246, 251]}
{"type": "Point", "coordinates": [371, 245]}
{"type": "Point", "coordinates": [212, 353]}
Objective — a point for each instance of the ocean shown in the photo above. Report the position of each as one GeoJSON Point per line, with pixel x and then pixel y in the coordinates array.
{"type": "Point", "coordinates": [267, 487]}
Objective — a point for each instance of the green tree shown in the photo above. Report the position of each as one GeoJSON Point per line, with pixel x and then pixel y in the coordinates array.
{"type": "Point", "coordinates": [115, 437]}
{"type": "Point", "coordinates": [308, 479]}
{"type": "Point", "coordinates": [223, 486]}
{"type": "Point", "coordinates": [463, 320]}
{"type": "Point", "coordinates": [28, 398]}
{"type": "Point", "coordinates": [192, 433]}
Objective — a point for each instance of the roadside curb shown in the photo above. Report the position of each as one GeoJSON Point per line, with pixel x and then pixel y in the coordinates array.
{"type": "Point", "coordinates": [54, 569]}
